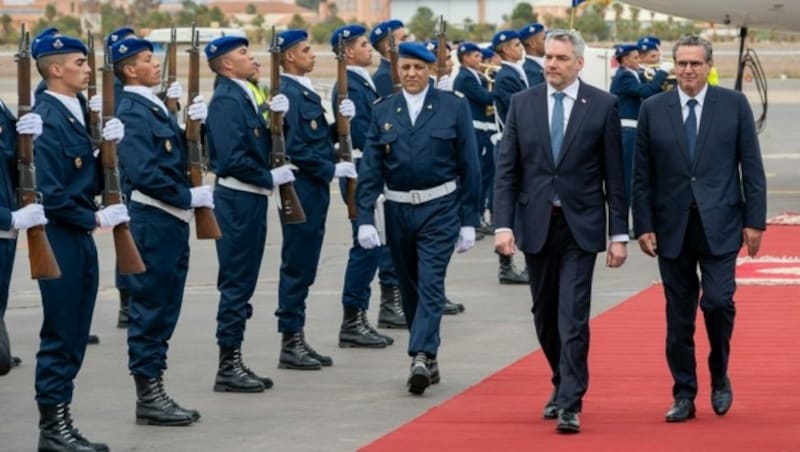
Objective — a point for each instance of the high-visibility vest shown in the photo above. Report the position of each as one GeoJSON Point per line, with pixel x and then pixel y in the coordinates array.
{"type": "Point", "coordinates": [713, 76]}
{"type": "Point", "coordinates": [261, 99]}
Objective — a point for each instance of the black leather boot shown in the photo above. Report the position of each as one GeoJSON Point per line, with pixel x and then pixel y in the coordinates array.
{"type": "Point", "coordinates": [420, 376]}
{"type": "Point", "coordinates": [231, 376]}
{"type": "Point", "coordinates": [326, 361]}
{"type": "Point", "coordinates": [294, 354]}
{"type": "Point", "coordinates": [155, 407]}
{"type": "Point", "coordinates": [55, 431]}
{"type": "Point", "coordinates": [99, 447]}
{"type": "Point", "coordinates": [433, 367]}
{"type": "Point", "coordinates": [507, 273]}
{"type": "Point", "coordinates": [353, 332]}
{"type": "Point", "coordinates": [193, 413]}
{"type": "Point", "coordinates": [124, 304]}
{"type": "Point", "coordinates": [391, 313]}
{"type": "Point", "coordinates": [93, 340]}
{"type": "Point", "coordinates": [451, 308]}
{"type": "Point", "coordinates": [365, 321]}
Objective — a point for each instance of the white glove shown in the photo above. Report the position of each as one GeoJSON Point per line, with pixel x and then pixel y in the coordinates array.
{"type": "Point", "coordinates": [202, 196]}
{"type": "Point", "coordinates": [345, 169]}
{"type": "Point", "coordinates": [466, 239]}
{"type": "Point", "coordinates": [282, 175]}
{"type": "Point", "coordinates": [347, 108]}
{"type": "Point", "coordinates": [114, 130]}
{"type": "Point", "coordinates": [666, 66]}
{"type": "Point", "coordinates": [368, 236]}
{"type": "Point", "coordinates": [445, 83]}
{"type": "Point", "coordinates": [30, 124]}
{"type": "Point", "coordinates": [198, 111]}
{"type": "Point", "coordinates": [175, 90]}
{"type": "Point", "coordinates": [110, 216]}
{"type": "Point", "coordinates": [96, 103]}
{"type": "Point", "coordinates": [279, 104]}
{"type": "Point", "coordinates": [28, 217]}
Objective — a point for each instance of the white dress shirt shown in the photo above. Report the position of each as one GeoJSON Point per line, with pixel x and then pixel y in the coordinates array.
{"type": "Point", "coordinates": [73, 105]}
{"type": "Point", "coordinates": [698, 109]}
{"type": "Point", "coordinates": [415, 103]}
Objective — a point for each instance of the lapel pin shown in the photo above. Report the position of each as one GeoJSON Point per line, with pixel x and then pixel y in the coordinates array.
{"type": "Point", "coordinates": [71, 120]}
{"type": "Point", "coordinates": [387, 127]}
{"type": "Point", "coordinates": [583, 100]}
{"type": "Point", "coordinates": [399, 109]}
{"type": "Point", "coordinates": [430, 106]}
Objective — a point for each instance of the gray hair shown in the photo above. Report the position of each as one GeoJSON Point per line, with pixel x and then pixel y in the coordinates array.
{"type": "Point", "coordinates": [694, 41]}
{"type": "Point", "coordinates": [571, 36]}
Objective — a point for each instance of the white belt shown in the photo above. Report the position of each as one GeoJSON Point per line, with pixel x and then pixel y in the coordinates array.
{"type": "Point", "coordinates": [421, 196]}
{"type": "Point", "coordinates": [181, 214]}
{"type": "Point", "coordinates": [629, 123]}
{"type": "Point", "coordinates": [235, 184]}
{"type": "Point", "coordinates": [484, 126]}
{"type": "Point", "coordinates": [10, 234]}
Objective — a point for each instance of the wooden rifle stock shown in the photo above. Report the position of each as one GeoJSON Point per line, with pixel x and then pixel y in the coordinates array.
{"type": "Point", "coordinates": [291, 210]}
{"type": "Point", "coordinates": [441, 50]}
{"type": "Point", "coordinates": [172, 71]}
{"type": "Point", "coordinates": [40, 253]}
{"type": "Point", "coordinates": [204, 219]}
{"type": "Point", "coordinates": [394, 57]}
{"type": "Point", "coordinates": [343, 130]}
{"type": "Point", "coordinates": [95, 128]}
{"type": "Point", "coordinates": [129, 261]}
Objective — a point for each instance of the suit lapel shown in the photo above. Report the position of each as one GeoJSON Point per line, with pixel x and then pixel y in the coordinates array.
{"type": "Point", "coordinates": [579, 109]}
{"type": "Point", "coordinates": [706, 119]}
{"type": "Point", "coordinates": [676, 119]}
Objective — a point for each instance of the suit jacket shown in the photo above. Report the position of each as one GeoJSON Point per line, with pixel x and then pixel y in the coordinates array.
{"type": "Point", "coordinates": [587, 176]}
{"type": "Point", "coordinates": [726, 179]}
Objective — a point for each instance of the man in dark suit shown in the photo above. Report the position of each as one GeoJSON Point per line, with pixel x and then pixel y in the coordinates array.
{"type": "Point", "coordinates": [699, 191]}
{"type": "Point", "coordinates": [551, 193]}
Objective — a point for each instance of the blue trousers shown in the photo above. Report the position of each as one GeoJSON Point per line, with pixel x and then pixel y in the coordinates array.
{"type": "Point", "coordinates": [242, 218]}
{"type": "Point", "coordinates": [628, 147]}
{"type": "Point", "coordinates": [421, 238]}
{"type": "Point", "coordinates": [302, 244]}
{"type": "Point", "coordinates": [8, 249]}
{"type": "Point", "coordinates": [486, 153]}
{"type": "Point", "coordinates": [360, 270]}
{"type": "Point", "coordinates": [68, 304]}
{"type": "Point", "coordinates": [157, 294]}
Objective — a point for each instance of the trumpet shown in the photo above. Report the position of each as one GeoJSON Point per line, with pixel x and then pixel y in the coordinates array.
{"type": "Point", "coordinates": [649, 72]}
{"type": "Point", "coordinates": [489, 71]}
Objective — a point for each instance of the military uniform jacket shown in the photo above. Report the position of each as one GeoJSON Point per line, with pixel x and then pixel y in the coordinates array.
{"type": "Point", "coordinates": [476, 92]}
{"type": "Point", "coordinates": [8, 161]}
{"type": "Point", "coordinates": [506, 83]}
{"type": "Point", "coordinates": [238, 139]}
{"type": "Point", "coordinates": [67, 171]}
{"type": "Point", "coordinates": [534, 71]}
{"type": "Point", "coordinates": [308, 136]}
{"type": "Point", "coordinates": [631, 91]}
{"type": "Point", "coordinates": [153, 153]}
{"type": "Point", "coordinates": [383, 78]}
{"type": "Point", "coordinates": [438, 148]}
{"type": "Point", "coordinates": [363, 96]}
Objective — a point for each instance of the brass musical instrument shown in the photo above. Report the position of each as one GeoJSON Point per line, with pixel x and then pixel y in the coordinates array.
{"type": "Point", "coordinates": [489, 71]}
{"type": "Point", "coordinates": [649, 72]}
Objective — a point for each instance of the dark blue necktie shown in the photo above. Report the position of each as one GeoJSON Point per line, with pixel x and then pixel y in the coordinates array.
{"type": "Point", "coordinates": [557, 125]}
{"type": "Point", "coordinates": [691, 128]}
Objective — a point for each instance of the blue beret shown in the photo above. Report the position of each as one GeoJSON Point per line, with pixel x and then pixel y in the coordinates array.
{"type": "Point", "coordinates": [347, 32]}
{"type": "Point", "coordinates": [54, 45]}
{"type": "Point", "coordinates": [49, 31]}
{"type": "Point", "coordinates": [382, 30]}
{"type": "Point", "coordinates": [118, 35]}
{"type": "Point", "coordinates": [620, 50]}
{"type": "Point", "coordinates": [503, 36]}
{"type": "Point", "coordinates": [648, 43]}
{"type": "Point", "coordinates": [466, 47]}
{"type": "Point", "coordinates": [433, 46]}
{"type": "Point", "coordinates": [288, 38]}
{"type": "Point", "coordinates": [530, 30]}
{"type": "Point", "coordinates": [417, 51]}
{"type": "Point", "coordinates": [129, 47]}
{"type": "Point", "coordinates": [487, 53]}
{"type": "Point", "coordinates": [223, 45]}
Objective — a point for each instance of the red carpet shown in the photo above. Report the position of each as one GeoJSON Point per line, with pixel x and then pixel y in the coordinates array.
{"type": "Point", "coordinates": [630, 387]}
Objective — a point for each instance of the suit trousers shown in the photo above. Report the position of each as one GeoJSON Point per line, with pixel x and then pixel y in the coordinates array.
{"type": "Point", "coordinates": [486, 151]}
{"type": "Point", "coordinates": [157, 294]}
{"type": "Point", "coordinates": [682, 288]}
{"type": "Point", "coordinates": [561, 286]}
{"type": "Point", "coordinates": [628, 146]}
{"type": "Point", "coordinates": [8, 249]}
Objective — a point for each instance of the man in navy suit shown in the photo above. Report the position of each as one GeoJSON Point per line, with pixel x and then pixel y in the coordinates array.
{"type": "Point", "coordinates": [551, 194]}
{"type": "Point", "coordinates": [699, 192]}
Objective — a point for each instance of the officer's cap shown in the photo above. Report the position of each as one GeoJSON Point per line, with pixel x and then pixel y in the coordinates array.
{"type": "Point", "coordinates": [288, 38]}
{"type": "Point", "coordinates": [417, 51]}
{"type": "Point", "coordinates": [347, 33]}
{"type": "Point", "coordinates": [383, 29]}
{"type": "Point", "coordinates": [223, 45]}
{"type": "Point", "coordinates": [54, 45]}
{"type": "Point", "coordinates": [621, 50]}
{"type": "Point", "coordinates": [487, 53]}
{"type": "Point", "coordinates": [129, 47]}
{"type": "Point", "coordinates": [646, 43]}
{"type": "Point", "coordinates": [503, 36]}
{"type": "Point", "coordinates": [49, 31]}
{"type": "Point", "coordinates": [118, 35]}
{"type": "Point", "coordinates": [466, 47]}
{"type": "Point", "coordinates": [530, 30]}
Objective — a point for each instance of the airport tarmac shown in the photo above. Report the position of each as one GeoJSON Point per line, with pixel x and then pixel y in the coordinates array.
{"type": "Point", "coordinates": [340, 408]}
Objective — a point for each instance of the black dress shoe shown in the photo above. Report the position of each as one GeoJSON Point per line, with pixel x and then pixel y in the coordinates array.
{"type": "Point", "coordinates": [721, 396]}
{"type": "Point", "coordinates": [568, 422]}
{"type": "Point", "coordinates": [550, 408]}
{"type": "Point", "coordinates": [681, 410]}
{"type": "Point", "coordinates": [16, 361]}
{"type": "Point", "coordinates": [93, 340]}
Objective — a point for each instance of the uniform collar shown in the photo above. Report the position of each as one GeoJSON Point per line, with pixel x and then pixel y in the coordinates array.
{"type": "Point", "coordinates": [72, 104]}
{"type": "Point", "coordinates": [148, 94]}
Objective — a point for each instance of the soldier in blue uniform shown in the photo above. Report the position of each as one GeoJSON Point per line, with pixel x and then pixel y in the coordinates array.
{"type": "Point", "coordinates": [532, 38]}
{"type": "Point", "coordinates": [240, 150]}
{"type": "Point", "coordinates": [362, 264]}
{"type": "Point", "coordinates": [69, 177]}
{"type": "Point", "coordinates": [631, 91]}
{"type": "Point", "coordinates": [153, 158]}
{"type": "Point", "coordinates": [649, 48]}
{"type": "Point", "coordinates": [432, 197]}
{"type": "Point", "coordinates": [12, 220]}
{"type": "Point", "coordinates": [309, 147]}
{"type": "Point", "coordinates": [379, 38]}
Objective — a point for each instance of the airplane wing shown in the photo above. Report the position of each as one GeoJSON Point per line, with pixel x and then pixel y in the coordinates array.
{"type": "Point", "coordinates": [771, 14]}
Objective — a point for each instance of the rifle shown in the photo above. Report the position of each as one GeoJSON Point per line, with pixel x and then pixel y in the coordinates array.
{"type": "Point", "coordinates": [204, 219]}
{"type": "Point", "coordinates": [129, 261]}
{"type": "Point", "coordinates": [441, 50]}
{"type": "Point", "coordinates": [394, 56]}
{"type": "Point", "coordinates": [43, 261]}
{"type": "Point", "coordinates": [343, 130]}
{"type": "Point", "coordinates": [95, 128]}
{"type": "Point", "coordinates": [291, 210]}
{"type": "Point", "coordinates": [172, 70]}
